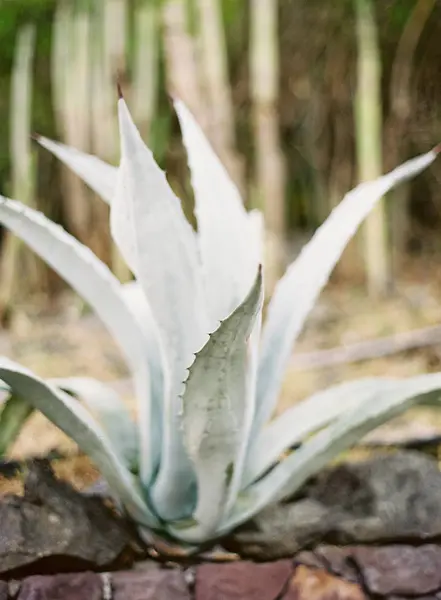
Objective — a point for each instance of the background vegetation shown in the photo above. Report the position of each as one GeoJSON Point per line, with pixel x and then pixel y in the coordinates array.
{"type": "Point", "coordinates": [301, 98]}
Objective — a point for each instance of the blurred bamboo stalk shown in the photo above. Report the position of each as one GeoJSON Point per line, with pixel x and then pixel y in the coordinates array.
{"type": "Point", "coordinates": [115, 69]}
{"type": "Point", "coordinates": [269, 167]}
{"type": "Point", "coordinates": [71, 74]}
{"type": "Point", "coordinates": [108, 59]}
{"type": "Point", "coordinates": [144, 93]}
{"type": "Point", "coordinates": [182, 74]}
{"type": "Point", "coordinates": [214, 66]}
{"type": "Point", "coordinates": [399, 117]}
{"type": "Point", "coordinates": [368, 125]}
{"type": "Point", "coordinates": [341, 165]}
{"type": "Point", "coordinates": [19, 267]}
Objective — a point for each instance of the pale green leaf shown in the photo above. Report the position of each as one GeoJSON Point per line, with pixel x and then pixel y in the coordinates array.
{"type": "Point", "coordinates": [95, 283]}
{"type": "Point", "coordinates": [137, 303]}
{"type": "Point", "coordinates": [150, 228]}
{"type": "Point", "coordinates": [292, 472]}
{"type": "Point", "coordinates": [224, 231]}
{"type": "Point", "coordinates": [214, 408]}
{"type": "Point", "coordinates": [72, 418]}
{"type": "Point", "coordinates": [97, 174]}
{"type": "Point", "coordinates": [111, 412]}
{"type": "Point", "coordinates": [305, 418]}
{"type": "Point", "coordinates": [297, 291]}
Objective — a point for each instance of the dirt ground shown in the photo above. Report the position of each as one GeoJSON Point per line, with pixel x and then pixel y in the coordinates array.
{"type": "Point", "coordinates": [69, 342]}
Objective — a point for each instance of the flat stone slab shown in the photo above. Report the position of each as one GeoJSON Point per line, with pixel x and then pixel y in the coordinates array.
{"type": "Point", "coordinates": [154, 584]}
{"type": "Point", "coordinates": [393, 572]}
{"type": "Point", "coordinates": [391, 497]}
{"type": "Point", "coordinates": [55, 522]}
{"type": "Point", "coordinates": [62, 587]}
{"type": "Point", "coordinates": [242, 580]}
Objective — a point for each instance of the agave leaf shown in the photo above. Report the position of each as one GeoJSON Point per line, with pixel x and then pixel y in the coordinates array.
{"type": "Point", "coordinates": [96, 284]}
{"type": "Point", "coordinates": [249, 412]}
{"type": "Point", "coordinates": [214, 408]}
{"type": "Point", "coordinates": [14, 414]}
{"type": "Point", "coordinates": [97, 174]}
{"type": "Point", "coordinates": [137, 303]}
{"type": "Point", "coordinates": [224, 235]}
{"type": "Point", "coordinates": [292, 472]}
{"type": "Point", "coordinates": [158, 243]}
{"type": "Point", "coordinates": [307, 417]}
{"type": "Point", "coordinates": [299, 288]}
{"type": "Point", "coordinates": [72, 418]}
{"type": "Point", "coordinates": [111, 412]}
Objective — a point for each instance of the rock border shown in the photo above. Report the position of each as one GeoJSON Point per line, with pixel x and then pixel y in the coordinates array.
{"type": "Point", "coordinates": [392, 572]}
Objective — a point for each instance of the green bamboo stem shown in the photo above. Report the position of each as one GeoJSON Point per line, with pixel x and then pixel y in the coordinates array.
{"type": "Point", "coordinates": [16, 259]}
{"type": "Point", "coordinates": [269, 179]}
{"type": "Point", "coordinates": [368, 125]}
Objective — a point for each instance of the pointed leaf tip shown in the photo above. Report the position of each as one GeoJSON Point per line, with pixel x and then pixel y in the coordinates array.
{"type": "Point", "coordinates": [119, 90]}
{"type": "Point", "coordinates": [35, 136]}
{"type": "Point", "coordinates": [437, 148]}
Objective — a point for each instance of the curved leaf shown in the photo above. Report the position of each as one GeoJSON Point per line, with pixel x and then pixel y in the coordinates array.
{"type": "Point", "coordinates": [96, 284]}
{"type": "Point", "coordinates": [137, 303]}
{"type": "Point", "coordinates": [215, 407]}
{"type": "Point", "coordinates": [297, 291]}
{"type": "Point", "coordinates": [250, 407]}
{"type": "Point", "coordinates": [307, 417]}
{"type": "Point", "coordinates": [292, 472]}
{"type": "Point", "coordinates": [97, 174]}
{"type": "Point", "coordinates": [159, 245]}
{"type": "Point", "coordinates": [110, 410]}
{"type": "Point", "coordinates": [72, 418]}
{"type": "Point", "coordinates": [224, 234]}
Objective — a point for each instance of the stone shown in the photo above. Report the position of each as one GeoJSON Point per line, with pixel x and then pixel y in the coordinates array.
{"type": "Point", "coordinates": [390, 497]}
{"type": "Point", "coordinates": [62, 587]}
{"type": "Point", "coordinates": [400, 570]}
{"type": "Point", "coordinates": [242, 580]}
{"type": "Point", "coordinates": [317, 584]}
{"type": "Point", "coordinates": [153, 584]}
{"type": "Point", "coordinates": [309, 559]}
{"type": "Point", "coordinates": [436, 596]}
{"type": "Point", "coordinates": [54, 520]}
{"type": "Point", "coordinates": [281, 530]}
{"type": "Point", "coordinates": [4, 589]}
{"type": "Point", "coordinates": [338, 559]}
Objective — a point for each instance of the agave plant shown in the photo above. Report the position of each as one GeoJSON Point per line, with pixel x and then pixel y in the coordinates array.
{"type": "Point", "coordinates": [203, 455]}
